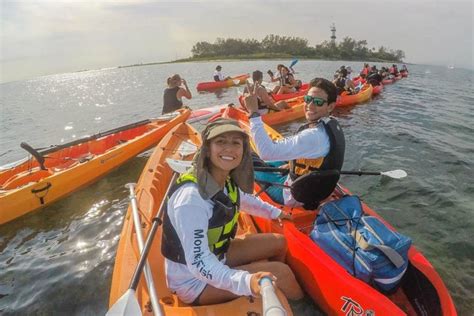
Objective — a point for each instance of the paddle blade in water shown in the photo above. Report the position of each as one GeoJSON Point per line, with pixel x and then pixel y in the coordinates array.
{"type": "Point", "coordinates": [396, 174]}
{"type": "Point", "coordinates": [127, 305]}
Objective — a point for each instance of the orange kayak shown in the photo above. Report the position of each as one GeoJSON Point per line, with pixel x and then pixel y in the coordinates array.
{"type": "Point", "coordinates": [150, 191]}
{"type": "Point", "coordinates": [271, 118]}
{"type": "Point", "coordinates": [28, 186]}
{"type": "Point", "coordinates": [352, 99]}
{"type": "Point", "coordinates": [336, 291]}
{"type": "Point", "coordinates": [212, 85]}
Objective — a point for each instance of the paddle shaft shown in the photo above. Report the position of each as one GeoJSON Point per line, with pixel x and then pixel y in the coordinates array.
{"type": "Point", "coordinates": [271, 304]}
{"type": "Point", "coordinates": [138, 228]}
{"type": "Point", "coordinates": [149, 240]}
{"type": "Point", "coordinates": [355, 172]}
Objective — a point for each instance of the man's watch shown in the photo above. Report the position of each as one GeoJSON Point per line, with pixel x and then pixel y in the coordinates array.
{"type": "Point", "coordinates": [254, 114]}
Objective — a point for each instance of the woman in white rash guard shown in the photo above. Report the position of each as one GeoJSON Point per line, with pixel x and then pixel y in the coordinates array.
{"type": "Point", "coordinates": [204, 263]}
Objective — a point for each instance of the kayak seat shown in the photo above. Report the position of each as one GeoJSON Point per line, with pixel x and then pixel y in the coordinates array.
{"type": "Point", "coordinates": [64, 165]}
{"type": "Point", "coordinates": [71, 162]}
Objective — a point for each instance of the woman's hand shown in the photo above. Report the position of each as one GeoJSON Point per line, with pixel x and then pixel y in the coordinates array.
{"type": "Point", "coordinates": [255, 279]}
{"type": "Point", "coordinates": [284, 216]}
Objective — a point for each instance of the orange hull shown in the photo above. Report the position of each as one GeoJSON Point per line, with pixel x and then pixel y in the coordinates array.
{"type": "Point", "coordinates": [150, 191]}
{"type": "Point", "coordinates": [295, 112]}
{"type": "Point", "coordinates": [25, 187]}
{"type": "Point", "coordinates": [352, 99]}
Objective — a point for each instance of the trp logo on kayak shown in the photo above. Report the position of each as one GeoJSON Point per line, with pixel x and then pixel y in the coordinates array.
{"type": "Point", "coordinates": [352, 308]}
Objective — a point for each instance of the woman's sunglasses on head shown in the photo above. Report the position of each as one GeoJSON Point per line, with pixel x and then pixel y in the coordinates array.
{"type": "Point", "coordinates": [314, 100]}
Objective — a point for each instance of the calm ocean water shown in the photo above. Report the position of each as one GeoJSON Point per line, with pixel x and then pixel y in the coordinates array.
{"type": "Point", "coordinates": [59, 260]}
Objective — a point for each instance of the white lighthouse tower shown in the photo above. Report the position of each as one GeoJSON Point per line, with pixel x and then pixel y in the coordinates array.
{"type": "Point", "coordinates": [333, 31]}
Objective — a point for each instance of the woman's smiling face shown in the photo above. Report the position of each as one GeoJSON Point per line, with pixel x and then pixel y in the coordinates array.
{"type": "Point", "coordinates": [226, 151]}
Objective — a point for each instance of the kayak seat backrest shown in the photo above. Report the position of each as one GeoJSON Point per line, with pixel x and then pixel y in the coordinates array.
{"type": "Point", "coordinates": [24, 178]}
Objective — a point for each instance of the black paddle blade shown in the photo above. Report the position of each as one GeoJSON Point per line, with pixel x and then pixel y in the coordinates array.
{"type": "Point", "coordinates": [314, 187]}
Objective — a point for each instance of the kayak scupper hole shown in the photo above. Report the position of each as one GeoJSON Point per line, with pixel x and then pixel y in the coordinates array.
{"type": "Point", "coordinates": [167, 300]}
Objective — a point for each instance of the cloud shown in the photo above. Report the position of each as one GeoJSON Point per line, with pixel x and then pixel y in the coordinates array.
{"type": "Point", "coordinates": [55, 36]}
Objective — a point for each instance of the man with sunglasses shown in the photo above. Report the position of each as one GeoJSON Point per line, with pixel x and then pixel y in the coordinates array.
{"type": "Point", "coordinates": [318, 145]}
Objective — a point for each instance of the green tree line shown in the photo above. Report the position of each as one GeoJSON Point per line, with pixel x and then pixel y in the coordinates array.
{"type": "Point", "coordinates": [347, 49]}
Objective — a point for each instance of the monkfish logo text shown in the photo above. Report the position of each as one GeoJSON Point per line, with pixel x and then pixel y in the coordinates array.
{"type": "Point", "coordinates": [197, 251]}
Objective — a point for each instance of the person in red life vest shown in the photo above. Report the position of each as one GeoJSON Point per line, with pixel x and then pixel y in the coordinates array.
{"type": "Point", "coordinates": [394, 70]}
{"type": "Point", "coordinates": [365, 71]}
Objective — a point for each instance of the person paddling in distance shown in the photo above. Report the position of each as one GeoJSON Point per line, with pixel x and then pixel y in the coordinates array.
{"type": "Point", "coordinates": [265, 102]}
{"type": "Point", "coordinates": [174, 93]}
{"type": "Point", "coordinates": [204, 264]}
{"type": "Point", "coordinates": [218, 76]}
{"type": "Point", "coordinates": [288, 83]}
{"type": "Point", "coordinates": [318, 145]}
{"type": "Point", "coordinates": [343, 83]}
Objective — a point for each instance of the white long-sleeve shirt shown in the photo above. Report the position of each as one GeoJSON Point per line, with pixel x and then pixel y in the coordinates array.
{"type": "Point", "coordinates": [219, 75]}
{"type": "Point", "coordinates": [189, 214]}
{"type": "Point", "coordinates": [311, 143]}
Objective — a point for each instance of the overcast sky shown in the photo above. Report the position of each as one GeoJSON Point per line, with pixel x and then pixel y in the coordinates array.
{"type": "Point", "coordinates": [45, 37]}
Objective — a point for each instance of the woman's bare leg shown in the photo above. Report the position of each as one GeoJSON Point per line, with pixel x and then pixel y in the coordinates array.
{"type": "Point", "coordinates": [286, 282]}
{"type": "Point", "coordinates": [256, 247]}
{"type": "Point", "coordinates": [241, 255]}
{"type": "Point", "coordinates": [282, 105]}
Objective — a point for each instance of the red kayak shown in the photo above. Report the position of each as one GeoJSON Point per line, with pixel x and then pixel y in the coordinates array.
{"type": "Point", "coordinates": [404, 74]}
{"type": "Point", "coordinates": [213, 85]}
{"type": "Point", "coordinates": [358, 80]}
{"type": "Point", "coordinates": [336, 291]}
{"type": "Point", "coordinates": [377, 89]}
{"type": "Point", "coordinates": [302, 91]}
{"type": "Point", "coordinates": [203, 114]}
{"type": "Point", "coordinates": [387, 81]}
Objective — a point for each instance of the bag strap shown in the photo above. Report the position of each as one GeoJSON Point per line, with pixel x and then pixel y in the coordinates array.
{"type": "Point", "coordinates": [389, 252]}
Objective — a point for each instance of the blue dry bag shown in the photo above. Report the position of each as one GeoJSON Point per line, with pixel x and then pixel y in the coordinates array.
{"type": "Point", "coordinates": [362, 244]}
